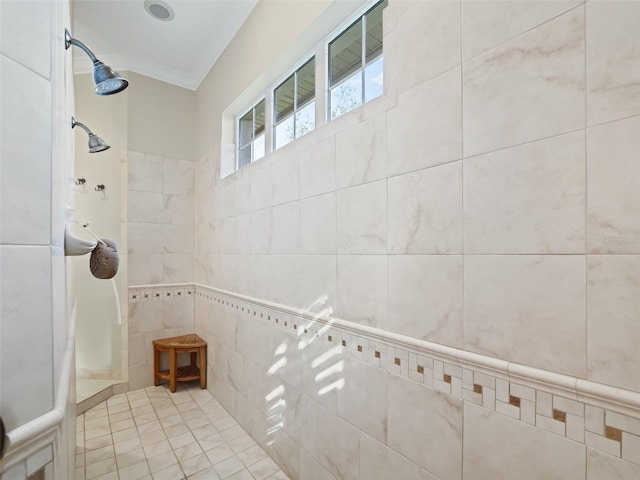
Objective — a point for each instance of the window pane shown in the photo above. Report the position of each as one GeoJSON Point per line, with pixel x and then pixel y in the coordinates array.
{"type": "Point", "coordinates": [244, 156]}
{"type": "Point", "coordinates": [283, 99]}
{"type": "Point", "coordinates": [346, 96]}
{"type": "Point", "coordinates": [374, 32]}
{"type": "Point", "coordinates": [258, 147]}
{"type": "Point", "coordinates": [306, 83]}
{"type": "Point", "coordinates": [245, 125]}
{"type": "Point", "coordinates": [284, 132]}
{"type": "Point", "coordinates": [345, 53]}
{"type": "Point", "coordinates": [373, 80]}
{"type": "Point", "coordinates": [259, 122]}
{"type": "Point", "coordinates": [306, 119]}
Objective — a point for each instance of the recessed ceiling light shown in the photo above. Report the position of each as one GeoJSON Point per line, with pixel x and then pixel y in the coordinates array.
{"type": "Point", "coordinates": [159, 9]}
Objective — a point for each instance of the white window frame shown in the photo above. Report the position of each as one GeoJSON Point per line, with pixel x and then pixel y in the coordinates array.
{"type": "Point", "coordinates": [292, 72]}
{"type": "Point", "coordinates": [254, 104]}
{"type": "Point", "coordinates": [359, 15]}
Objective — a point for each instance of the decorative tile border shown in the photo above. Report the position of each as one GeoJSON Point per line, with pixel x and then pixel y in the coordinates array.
{"type": "Point", "coordinates": [602, 417]}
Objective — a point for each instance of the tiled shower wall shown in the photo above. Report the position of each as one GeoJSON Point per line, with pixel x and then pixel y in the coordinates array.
{"type": "Point", "coordinates": [159, 214]}
{"type": "Point", "coordinates": [36, 94]}
{"type": "Point", "coordinates": [487, 202]}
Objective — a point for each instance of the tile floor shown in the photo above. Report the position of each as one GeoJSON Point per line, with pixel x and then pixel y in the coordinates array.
{"type": "Point", "coordinates": [154, 434]}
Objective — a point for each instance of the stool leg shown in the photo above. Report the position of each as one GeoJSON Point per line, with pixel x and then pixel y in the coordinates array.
{"type": "Point", "coordinates": [193, 361]}
{"type": "Point", "coordinates": [156, 366]}
{"type": "Point", "coordinates": [203, 367]}
{"type": "Point", "coordinates": [172, 369]}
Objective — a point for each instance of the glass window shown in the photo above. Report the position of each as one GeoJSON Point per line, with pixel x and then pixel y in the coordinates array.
{"type": "Point", "coordinates": [251, 140]}
{"type": "Point", "coordinates": [355, 63]}
{"type": "Point", "coordinates": [294, 105]}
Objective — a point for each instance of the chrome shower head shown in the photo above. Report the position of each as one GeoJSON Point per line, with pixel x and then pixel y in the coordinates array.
{"type": "Point", "coordinates": [106, 79]}
{"type": "Point", "coordinates": [96, 144]}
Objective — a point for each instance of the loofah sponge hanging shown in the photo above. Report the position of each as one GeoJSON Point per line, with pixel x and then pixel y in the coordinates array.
{"type": "Point", "coordinates": [104, 260]}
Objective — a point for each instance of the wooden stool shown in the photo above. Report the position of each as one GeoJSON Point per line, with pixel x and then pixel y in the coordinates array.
{"type": "Point", "coordinates": [192, 344]}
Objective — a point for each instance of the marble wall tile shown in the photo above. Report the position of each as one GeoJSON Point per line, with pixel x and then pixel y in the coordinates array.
{"type": "Point", "coordinates": [145, 317]}
{"type": "Point", "coordinates": [613, 194]}
{"type": "Point", "coordinates": [285, 177]}
{"type": "Point", "coordinates": [425, 211]}
{"type": "Point", "coordinates": [379, 462]}
{"type": "Point", "coordinates": [505, 82]}
{"type": "Point", "coordinates": [261, 230]}
{"type": "Point", "coordinates": [317, 280]}
{"type": "Point", "coordinates": [242, 238]}
{"type": "Point", "coordinates": [284, 277]}
{"type": "Point", "coordinates": [144, 238]}
{"type": "Point", "coordinates": [310, 468]}
{"type": "Point", "coordinates": [528, 309]}
{"type": "Point", "coordinates": [425, 129]}
{"type": "Point", "coordinates": [315, 359]}
{"type": "Point", "coordinates": [362, 289]}
{"type": "Point", "coordinates": [26, 313]}
{"type": "Point", "coordinates": [338, 445]}
{"type": "Point", "coordinates": [178, 209]}
{"type": "Point", "coordinates": [286, 228]}
{"type": "Point", "coordinates": [363, 399]}
{"type": "Point", "coordinates": [613, 331]}
{"type": "Point", "coordinates": [240, 202]}
{"type": "Point", "coordinates": [601, 466]}
{"type": "Point", "coordinates": [178, 238]}
{"type": "Point", "coordinates": [33, 50]}
{"type": "Point", "coordinates": [178, 179]}
{"type": "Point", "coordinates": [613, 60]}
{"type": "Point", "coordinates": [426, 427]}
{"type": "Point", "coordinates": [177, 268]}
{"type": "Point", "coordinates": [261, 187]}
{"type": "Point", "coordinates": [425, 297]}
{"type": "Point", "coordinates": [527, 199]}
{"type": "Point", "coordinates": [361, 152]}
{"type": "Point", "coordinates": [25, 158]}
{"type": "Point", "coordinates": [496, 446]}
{"type": "Point", "coordinates": [430, 32]}
{"type": "Point", "coordinates": [145, 269]}
{"type": "Point", "coordinates": [145, 207]}
{"type": "Point", "coordinates": [487, 24]}
{"type": "Point", "coordinates": [318, 224]}
{"type": "Point", "coordinates": [361, 219]}
{"type": "Point", "coordinates": [318, 168]}
{"type": "Point", "coordinates": [144, 174]}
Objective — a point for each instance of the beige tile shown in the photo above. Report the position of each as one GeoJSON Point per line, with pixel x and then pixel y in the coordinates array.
{"type": "Point", "coordinates": [161, 462]}
{"type": "Point", "coordinates": [310, 468]}
{"type": "Point", "coordinates": [613, 59]}
{"type": "Point", "coordinates": [425, 211]}
{"type": "Point", "coordinates": [338, 445]}
{"type": "Point", "coordinates": [263, 468]}
{"type": "Point", "coordinates": [427, 120]}
{"type": "Point", "coordinates": [101, 468]}
{"type": "Point", "coordinates": [379, 462]}
{"type": "Point", "coordinates": [430, 31]}
{"type": "Point", "coordinates": [219, 454]}
{"type": "Point", "coordinates": [601, 466]}
{"type": "Point", "coordinates": [361, 153]}
{"type": "Point", "coordinates": [187, 451]}
{"type": "Point", "coordinates": [228, 467]}
{"type": "Point", "coordinates": [134, 472]}
{"type": "Point", "coordinates": [507, 20]}
{"type": "Point", "coordinates": [363, 399]}
{"type": "Point", "coordinates": [173, 472]}
{"type": "Point", "coordinates": [130, 458]}
{"type": "Point", "coordinates": [437, 448]}
{"type": "Point", "coordinates": [361, 211]}
{"type": "Point", "coordinates": [425, 297]}
{"type": "Point", "coordinates": [362, 289]}
{"type": "Point", "coordinates": [487, 454]}
{"type": "Point", "coordinates": [505, 81]}
{"type": "Point", "coordinates": [527, 199]}
{"type": "Point", "coordinates": [195, 464]}
{"type": "Point", "coordinates": [613, 331]}
{"type": "Point", "coordinates": [514, 304]}
{"type": "Point", "coordinates": [613, 194]}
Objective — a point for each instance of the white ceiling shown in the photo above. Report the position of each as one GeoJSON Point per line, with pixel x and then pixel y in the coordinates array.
{"type": "Point", "coordinates": [182, 51]}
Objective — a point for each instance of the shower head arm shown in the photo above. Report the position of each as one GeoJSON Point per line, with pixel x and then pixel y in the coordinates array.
{"type": "Point", "coordinates": [81, 125]}
{"type": "Point", "coordinates": [69, 40]}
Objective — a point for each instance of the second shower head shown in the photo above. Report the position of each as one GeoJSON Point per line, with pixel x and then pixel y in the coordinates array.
{"type": "Point", "coordinates": [96, 144]}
